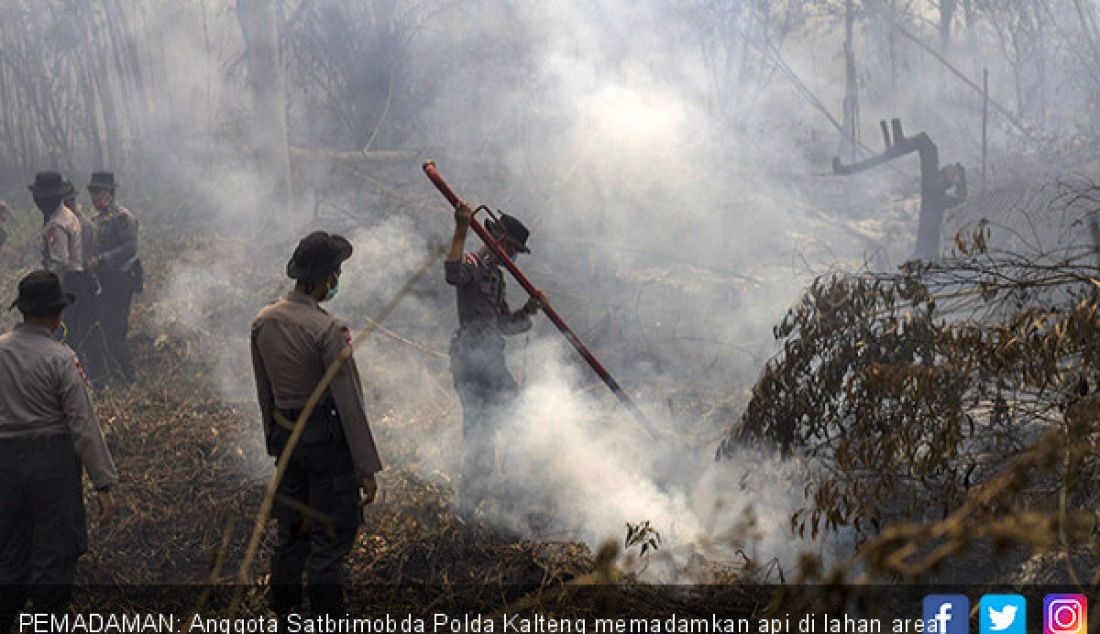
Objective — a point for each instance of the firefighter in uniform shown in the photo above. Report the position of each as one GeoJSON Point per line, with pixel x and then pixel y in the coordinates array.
{"type": "Point", "coordinates": [332, 468]}
{"type": "Point", "coordinates": [48, 430]}
{"type": "Point", "coordinates": [89, 342]}
{"type": "Point", "coordinates": [481, 378]}
{"type": "Point", "coordinates": [62, 244]}
{"type": "Point", "coordinates": [117, 267]}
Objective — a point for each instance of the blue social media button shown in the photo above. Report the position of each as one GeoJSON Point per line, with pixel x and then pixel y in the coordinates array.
{"type": "Point", "coordinates": [946, 614]}
{"type": "Point", "coordinates": [1002, 614]}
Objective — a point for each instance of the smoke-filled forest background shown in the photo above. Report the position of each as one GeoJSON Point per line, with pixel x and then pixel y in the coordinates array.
{"type": "Point", "coordinates": [674, 161]}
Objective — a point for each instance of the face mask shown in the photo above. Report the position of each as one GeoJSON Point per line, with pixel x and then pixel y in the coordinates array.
{"type": "Point", "coordinates": [102, 204]}
{"type": "Point", "coordinates": [62, 333]}
{"type": "Point", "coordinates": [332, 292]}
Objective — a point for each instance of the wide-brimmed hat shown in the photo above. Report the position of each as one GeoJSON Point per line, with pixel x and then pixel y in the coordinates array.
{"type": "Point", "coordinates": [514, 230]}
{"type": "Point", "coordinates": [317, 256]}
{"type": "Point", "coordinates": [47, 184]}
{"type": "Point", "coordinates": [102, 180]}
{"type": "Point", "coordinates": [40, 295]}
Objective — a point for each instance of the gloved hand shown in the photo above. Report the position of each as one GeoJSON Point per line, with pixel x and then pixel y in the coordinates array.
{"type": "Point", "coordinates": [535, 303]}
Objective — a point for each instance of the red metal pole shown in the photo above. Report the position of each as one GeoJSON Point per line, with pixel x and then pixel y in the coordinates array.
{"type": "Point", "coordinates": [551, 314]}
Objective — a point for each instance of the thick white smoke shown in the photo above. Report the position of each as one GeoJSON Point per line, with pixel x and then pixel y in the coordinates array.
{"type": "Point", "coordinates": [672, 225]}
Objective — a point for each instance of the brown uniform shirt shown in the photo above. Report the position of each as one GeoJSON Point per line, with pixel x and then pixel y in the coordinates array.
{"type": "Point", "coordinates": [293, 341]}
{"type": "Point", "coordinates": [116, 238]}
{"type": "Point", "coordinates": [87, 238]}
{"type": "Point", "coordinates": [43, 393]}
{"type": "Point", "coordinates": [62, 243]}
{"type": "Point", "coordinates": [479, 292]}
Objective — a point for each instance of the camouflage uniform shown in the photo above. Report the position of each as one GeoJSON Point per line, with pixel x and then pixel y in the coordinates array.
{"type": "Point", "coordinates": [481, 377]}
{"type": "Point", "coordinates": [118, 269]}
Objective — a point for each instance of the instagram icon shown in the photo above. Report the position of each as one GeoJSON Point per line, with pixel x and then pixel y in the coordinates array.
{"type": "Point", "coordinates": [1065, 614]}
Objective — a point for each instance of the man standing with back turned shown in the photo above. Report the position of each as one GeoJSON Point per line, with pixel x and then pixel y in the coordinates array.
{"type": "Point", "coordinates": [48, 429]}
{"type": "Point", "coordinates": [481, 377]}
{"type": "Point", "coordinates": [294, 340]}
{"type": "Point", "coordinates": [62, 244]}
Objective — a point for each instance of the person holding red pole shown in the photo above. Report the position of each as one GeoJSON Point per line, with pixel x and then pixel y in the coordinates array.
{"type": "Point", "coordinates": [481, 377]}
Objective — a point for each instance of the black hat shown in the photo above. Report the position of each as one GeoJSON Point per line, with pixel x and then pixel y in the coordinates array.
{"type": "Point", "coordinates": [47, 184]}
{"type": "Point", "coordinates": [514, 229]}
{"type": "Point", "coordinates": [41, 295]}
{"type": "Point", "coordinates": [317, 256]}
{"type": "Point", "coordinates": [102, 180]}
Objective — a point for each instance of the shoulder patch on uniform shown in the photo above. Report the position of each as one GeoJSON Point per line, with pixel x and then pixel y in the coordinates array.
{"type": "Point", "coordinates": [344, 330]}
{"type": "Point", "coordinates": [51, 234]}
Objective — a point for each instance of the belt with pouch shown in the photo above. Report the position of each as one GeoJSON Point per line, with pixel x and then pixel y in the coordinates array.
{"type": "Point", "coordinates": [323, 424]}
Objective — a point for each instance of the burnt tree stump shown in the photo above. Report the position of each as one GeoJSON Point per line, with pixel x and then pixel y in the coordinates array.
{"type": "Point", "coordinates": [936, 183]}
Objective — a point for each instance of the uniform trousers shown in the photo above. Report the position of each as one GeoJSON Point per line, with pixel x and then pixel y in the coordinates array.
{"type": "Point", "coordinates": [486, 390]}
{"type": "Point", "coordinates": [116, 298]}
{"type": "Point", "coordinates": [321, 476]}
{"type": "Point", "coordinates": [85, 336]}
{"type": "Point", "coordinates": [42, 528]}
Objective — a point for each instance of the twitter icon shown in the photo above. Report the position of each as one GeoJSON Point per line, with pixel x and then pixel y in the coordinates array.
{"type": "Point", "coordinates": [1003, 614]}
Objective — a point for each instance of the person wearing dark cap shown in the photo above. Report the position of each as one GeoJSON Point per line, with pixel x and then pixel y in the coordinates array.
{"type": "Point", "coordinates": [48, 430]}
{"type": "Point", "coordinates": [332, 469]}
{"type": "Point", "coordinates": [117, 267]}
{"type": "Point", "coordinates": [62, 246]}
{"type": "Point", "coordinates": [481, 378]}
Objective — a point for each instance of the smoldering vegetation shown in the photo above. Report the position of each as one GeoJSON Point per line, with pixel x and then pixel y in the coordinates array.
{"type": "Point", "coordinates": [674, 162]}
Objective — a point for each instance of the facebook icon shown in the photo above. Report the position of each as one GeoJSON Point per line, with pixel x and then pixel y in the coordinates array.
{"type": "Point", "coordinates": [946, 614]}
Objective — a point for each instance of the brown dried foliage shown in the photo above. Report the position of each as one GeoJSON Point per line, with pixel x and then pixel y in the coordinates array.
{"type": "Point", "coordinates": [937, 397]}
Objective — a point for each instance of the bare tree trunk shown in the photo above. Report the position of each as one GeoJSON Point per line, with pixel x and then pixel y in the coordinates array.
{"type": "Point", "coordinates": [91, 118]}
{"type": "Point", "coordinates": [974, 49]}
{"type": "Point", "coordinates": [947, 14]}
{"type": "Point", "coordinates": [100, 72]}
{"type": "Point", "coordinates": [208, 108]}
{"type": "Point", "coordinates": [851, 87]}
{"type": "Point", "coordinates": [110, 117]}
{"type": "Point", "coordinates": [267, 82]}
{"type": "Point", "coordinates": [8, 100]}
{"type": "Point", "coordinates": [85, 70]}
{"type": "Point", "coordinates": [985, 123]}
{"type": "Point", "coordinates": [1041, 61]}
{"type": "Point", "coordinates": [893, 42]}
{"type": "Point", "coordinates": [934, 183]}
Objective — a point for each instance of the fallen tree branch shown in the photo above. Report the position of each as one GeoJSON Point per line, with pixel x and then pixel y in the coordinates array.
{"type": "Point", "coordinates": [354, 155]}
{"type": "Point", "coordinates": [408, 342]}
